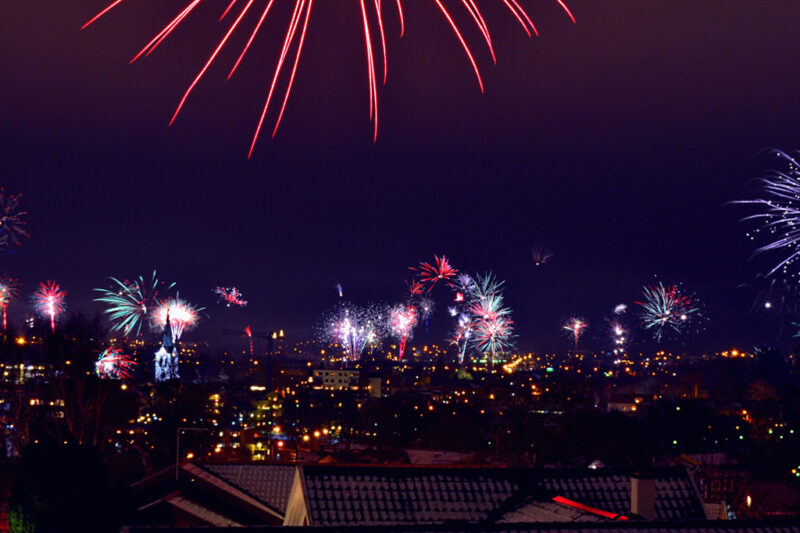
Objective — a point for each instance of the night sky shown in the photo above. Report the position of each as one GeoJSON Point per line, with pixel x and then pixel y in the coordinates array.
{"type": "Point", "coordinates": [615, 142]}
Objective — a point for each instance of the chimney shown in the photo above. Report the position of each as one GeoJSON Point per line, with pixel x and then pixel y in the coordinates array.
{"type": "Point", "coordinates": [643, 496]}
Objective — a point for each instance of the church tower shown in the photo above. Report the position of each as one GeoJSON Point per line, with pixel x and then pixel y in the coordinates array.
{"type": "Point", "coordinates": [167, 356]}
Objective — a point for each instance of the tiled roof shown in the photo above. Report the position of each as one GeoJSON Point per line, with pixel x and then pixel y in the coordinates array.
{"type": "Point", "coordinates": [380, 495]}
{"type": "Point", "coordinates": [676, 497]}
{"type": "Point", "coordinates": [547, 511]}
{"type": "Point", "coordinates": [269, 484]}
{"type": "Point", "coordinates": [727, 526]}
{"type": "Point", "coordinates": [407, 495]}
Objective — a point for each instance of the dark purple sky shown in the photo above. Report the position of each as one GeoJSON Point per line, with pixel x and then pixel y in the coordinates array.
{"type": "Point", "coordinates": [615, 142]}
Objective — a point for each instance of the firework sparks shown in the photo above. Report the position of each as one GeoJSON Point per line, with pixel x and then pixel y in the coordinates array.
{"type": "Point", "coordinates": [485, 286]}
{"type": "Point", "coordinates": [575, 326]}
{"type": "Point", "coordinates": [541, 255]}
{"type": "Point", "coordinates": [231, 296]}
{"type": "Point", "coordinates": [493, 326]}
{"type": "Point", "coordinates": [779, 214]}
{"type": "Point", "coordinates": [113, 364]}
{"type": "Point", "coordinates": [182, 316]}
{"type": "Point", "coordinates": [49, 302]}
{"type": "Point", "coordinates": [431, 273]}
{"type": "Point", "coordinates": [12, 223]}
{"type": "Point", "coordinates": [462, 337]}
{"type": "Point", "coordinates": [619, 336]}
{"type": "Point", "coordinates": [402, 320]}
{"type": "Point", "coordinates": [9, 292]}
{"type": "Point", "coordinates": [666, 309]}
{"type": "Point", "coordinates": [415, 287]}
{"type": "Point", "coordinates": [620, 309]}
{"type": "Point", "coordinates": [355, 328]}
{"type": "Point", "coordinates": [340, 290]}
{"type": "Point", "coordinates": [129, 302]}
{"type": "Point", "coordinates": [371, 15]}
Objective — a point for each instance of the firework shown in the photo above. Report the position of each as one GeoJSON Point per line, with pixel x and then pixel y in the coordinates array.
{"type": "Point", "coordinates": [485, 286]}
{"type": "Point", "coordinates": [463, 335]}
{"type": "Point", "coordinates": [372, 24]}
{"type": "Point", "coordinates": [415, 287]}
{"type": "Point", "coordinates": [666, 309]}
{"type": "Point", "coordinates": [619, 336]}
{"type": "Point", "coordinates": [49, 301]}
{"type": "Point", "coordinates": [402, 320]}
{"type": "Point", "coordinates": [620, 309]}
{"type": "Point", "coordinates": [231, 296]}
{"type": "Point", "coordinates": [575, 326]}
{"type": "Point", "coordinates": [431, 273]}
{"type": "Point", "coordinates": [182, 316]}
{"type": "Point", "coordinates": [129, 302]}
{"type": "Point", "coordinates": [425, 307]}
{"type": "Point", "coordinates": [541, 255]}
{"type": "Point", "coordinates": [113, 364]}
{"type": "Point", "coordinates": [339, 290]}
{"type": "Point", "coordinates": [9, 291]}
{"type": "Point", "coordinates": [778, 216]}
{"type": "Point", "coordinates": [12, 225]}
{"type": "Point", "coordinates": [355, 328]}
{"type": "Point", "coordinates": [493, 327]}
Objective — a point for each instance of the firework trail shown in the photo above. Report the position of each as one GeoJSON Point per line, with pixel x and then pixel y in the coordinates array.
{"type": "Point", "coordinates": [541, 255]}
{"type": "Point", "coordinates": [113, 364]}
{"type": "Point", "coordinates": [12, 225]}
{"type": "Point", "coordinates": [182, 316]}
{"type": "Point", "coordinates": [129, 302]}
{"type": "Point", "coordinates": [231, 296]}
{"type": "Point", "coordinates": [49, 301]}
{"type": "Point", "coordinates": [430, 273]}
{"type": "Point", "coordinates": [778, 215]}
{"type": "Point", "coordinates": [9, 292]}
{"type": "Point", "coordinates": [340, 290]}
{"type": "Point", "coordinates": [402, 320]}
{"type": "Point", "coordinates": [666, 309]}
{"type": "Point", "coordinates": [575, 326]}
{"type": "Point", "coordinates": [371, 17]}
{"type": "Point", "coordinates": [249, 333]}
{"type": "Point", "coordinates": [354, 328]}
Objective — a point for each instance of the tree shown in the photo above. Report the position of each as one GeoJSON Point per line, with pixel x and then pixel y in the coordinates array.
{"type": "Point", "coordinates": [62, 488]}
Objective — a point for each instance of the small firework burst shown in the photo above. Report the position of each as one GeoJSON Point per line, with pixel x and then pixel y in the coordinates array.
{"type": "Point", "coordinates": [114, 364]}
{"type": "Point", "coordinates": [575, 326]}
{"type": "Point", "coordinates": [541, 255]}
{"type": "Point", "coordinates": [231, 296]}
{"type": "Point", "coordinates": [49, 301]}
{"type": "Point", "coordinates": [12, 223]}
{"type": "Point", "coordinates": [667, 309]}
{"type": "Point", "coordinates": [182, 316]}
{"type": "Point", "coordinates": [402, 319]}
{"type": "Point", "coordinates": [9, 292]}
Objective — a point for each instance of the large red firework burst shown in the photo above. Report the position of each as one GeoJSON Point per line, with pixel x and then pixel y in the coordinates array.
{"type": "Point", "coordinates": [371, 13]}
